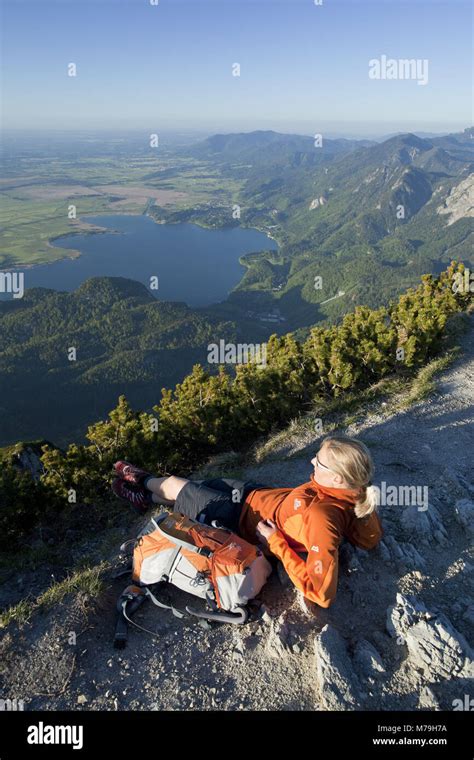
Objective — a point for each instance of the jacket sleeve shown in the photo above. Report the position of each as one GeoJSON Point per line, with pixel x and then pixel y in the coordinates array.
{"type": "Point", "coordinates": [366, 532]}
{"type": "Point", "coordinates": [315, 577]}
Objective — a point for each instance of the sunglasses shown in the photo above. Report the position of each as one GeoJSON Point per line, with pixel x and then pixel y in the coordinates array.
{"type": "Point", "coordinates": [322, 466]}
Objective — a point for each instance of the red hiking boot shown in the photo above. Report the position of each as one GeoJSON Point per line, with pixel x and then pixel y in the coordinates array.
{"type": "Point", "coordinates": [139, 497]}
{"type": "Point", "coordinates": [130, 473]}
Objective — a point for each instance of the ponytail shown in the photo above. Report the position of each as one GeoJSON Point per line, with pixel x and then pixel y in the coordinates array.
{"type": "Point", "coordinates": [369, 501]}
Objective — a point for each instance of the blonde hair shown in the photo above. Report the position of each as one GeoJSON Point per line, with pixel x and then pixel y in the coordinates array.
{"type": "Point", "coordinates": [351, 460]}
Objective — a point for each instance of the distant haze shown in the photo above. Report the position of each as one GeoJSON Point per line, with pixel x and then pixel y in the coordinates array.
{"type": "Point", "coordinates": [303, 68]}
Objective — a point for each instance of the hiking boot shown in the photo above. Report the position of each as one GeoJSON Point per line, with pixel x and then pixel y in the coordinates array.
{"type": "Point", "coordinates": [130, 473]}
{"type": "Point", "coordinates": [139, 497]}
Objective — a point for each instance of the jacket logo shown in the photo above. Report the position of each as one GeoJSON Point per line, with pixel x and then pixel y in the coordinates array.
{"type": "Point", "coordinates": [297, 503]}
{"type": "Point", "coordinates": [315, 548]}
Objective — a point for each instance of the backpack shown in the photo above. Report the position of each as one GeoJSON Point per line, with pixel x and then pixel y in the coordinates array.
{"type": "Point", "coordinates": [210, 562]}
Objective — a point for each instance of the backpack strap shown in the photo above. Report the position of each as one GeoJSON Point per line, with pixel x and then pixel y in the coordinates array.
{"type": "Point", "coordinates": [172, 562]}
{"type": "Point", "coordinates": [176, 612]}
{"type": "Point", "coordinates": [127, 604]}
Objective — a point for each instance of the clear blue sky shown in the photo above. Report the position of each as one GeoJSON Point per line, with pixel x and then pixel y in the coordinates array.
{"type": "Point", "coordinates": [303, 67]}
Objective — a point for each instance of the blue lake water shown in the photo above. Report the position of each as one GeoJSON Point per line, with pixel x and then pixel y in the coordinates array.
{"type": "Point", "coordinates": [193, 264]}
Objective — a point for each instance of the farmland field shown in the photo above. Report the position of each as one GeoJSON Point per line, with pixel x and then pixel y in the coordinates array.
{"type": "Point", "coordinates": [35, 202]}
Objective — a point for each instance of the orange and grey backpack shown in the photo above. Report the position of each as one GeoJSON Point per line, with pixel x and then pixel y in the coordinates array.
{"type": "Point", "coordinates": [210, 562]}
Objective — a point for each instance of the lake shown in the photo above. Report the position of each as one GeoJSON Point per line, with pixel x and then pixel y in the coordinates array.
{"type": "Point", "coordinates": [193, 264]}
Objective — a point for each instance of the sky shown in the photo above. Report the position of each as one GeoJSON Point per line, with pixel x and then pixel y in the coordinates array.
{"type": "Point", "coordinates": [304, 67]}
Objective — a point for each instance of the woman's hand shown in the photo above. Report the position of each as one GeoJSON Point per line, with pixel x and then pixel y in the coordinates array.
{"type": "Point", "coordinates": [265, 529]}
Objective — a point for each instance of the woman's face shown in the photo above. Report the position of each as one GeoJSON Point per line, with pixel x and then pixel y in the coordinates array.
{"type": "Point", "coordinates": [323, 476]}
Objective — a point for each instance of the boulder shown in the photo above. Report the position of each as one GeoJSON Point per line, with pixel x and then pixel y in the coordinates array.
{"type": "Point", "coordinates": [404, 554]}
{"type": "Point", "coordinates": [434, 645]}
{"type": "Point", "coordinates": [336, 678]}
{"type": "Point", "coordinates": [27, 457]}
{"type": "Point", "coordinates": [367, 659]}
{"type": "Point", "coordinates": [428, 700]}
{"type": "Point", "coordinates": [278, 644]}
{"type": "Point", "coordinates": [425, 526]}
{"type": "Point", "coordinates": [464, 509]}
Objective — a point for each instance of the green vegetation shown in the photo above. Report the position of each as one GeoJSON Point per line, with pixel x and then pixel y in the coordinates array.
{"type": "Point", "coordinates": [24, 501]}
{"type": "Point", "coordinates": [87, 581]}
{"type": "Point", "coordinates": [376, 231]}
{"type": "Point", "coordinates": [391, 393]}
{"type": "Point", "coordinates": [425, 382]}
{"type": "Point", "coordinates": [126, 342]}
{"type": "Point", "coordinates": [208, 414]}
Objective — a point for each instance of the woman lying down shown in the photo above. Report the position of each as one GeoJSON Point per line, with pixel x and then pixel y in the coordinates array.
{"type": "Point", "coordinates": [337, 502]}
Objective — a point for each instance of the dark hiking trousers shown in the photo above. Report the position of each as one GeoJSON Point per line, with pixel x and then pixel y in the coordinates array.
{"type": "Point", "coordinates": [219, 499]}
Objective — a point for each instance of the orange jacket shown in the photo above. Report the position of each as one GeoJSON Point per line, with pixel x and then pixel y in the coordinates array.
{"type": "Point", "coordinates": [313, 519]}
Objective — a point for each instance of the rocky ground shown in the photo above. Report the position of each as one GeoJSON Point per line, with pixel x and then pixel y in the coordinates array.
{"type": "Point", "coordinates": [398, 636]}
